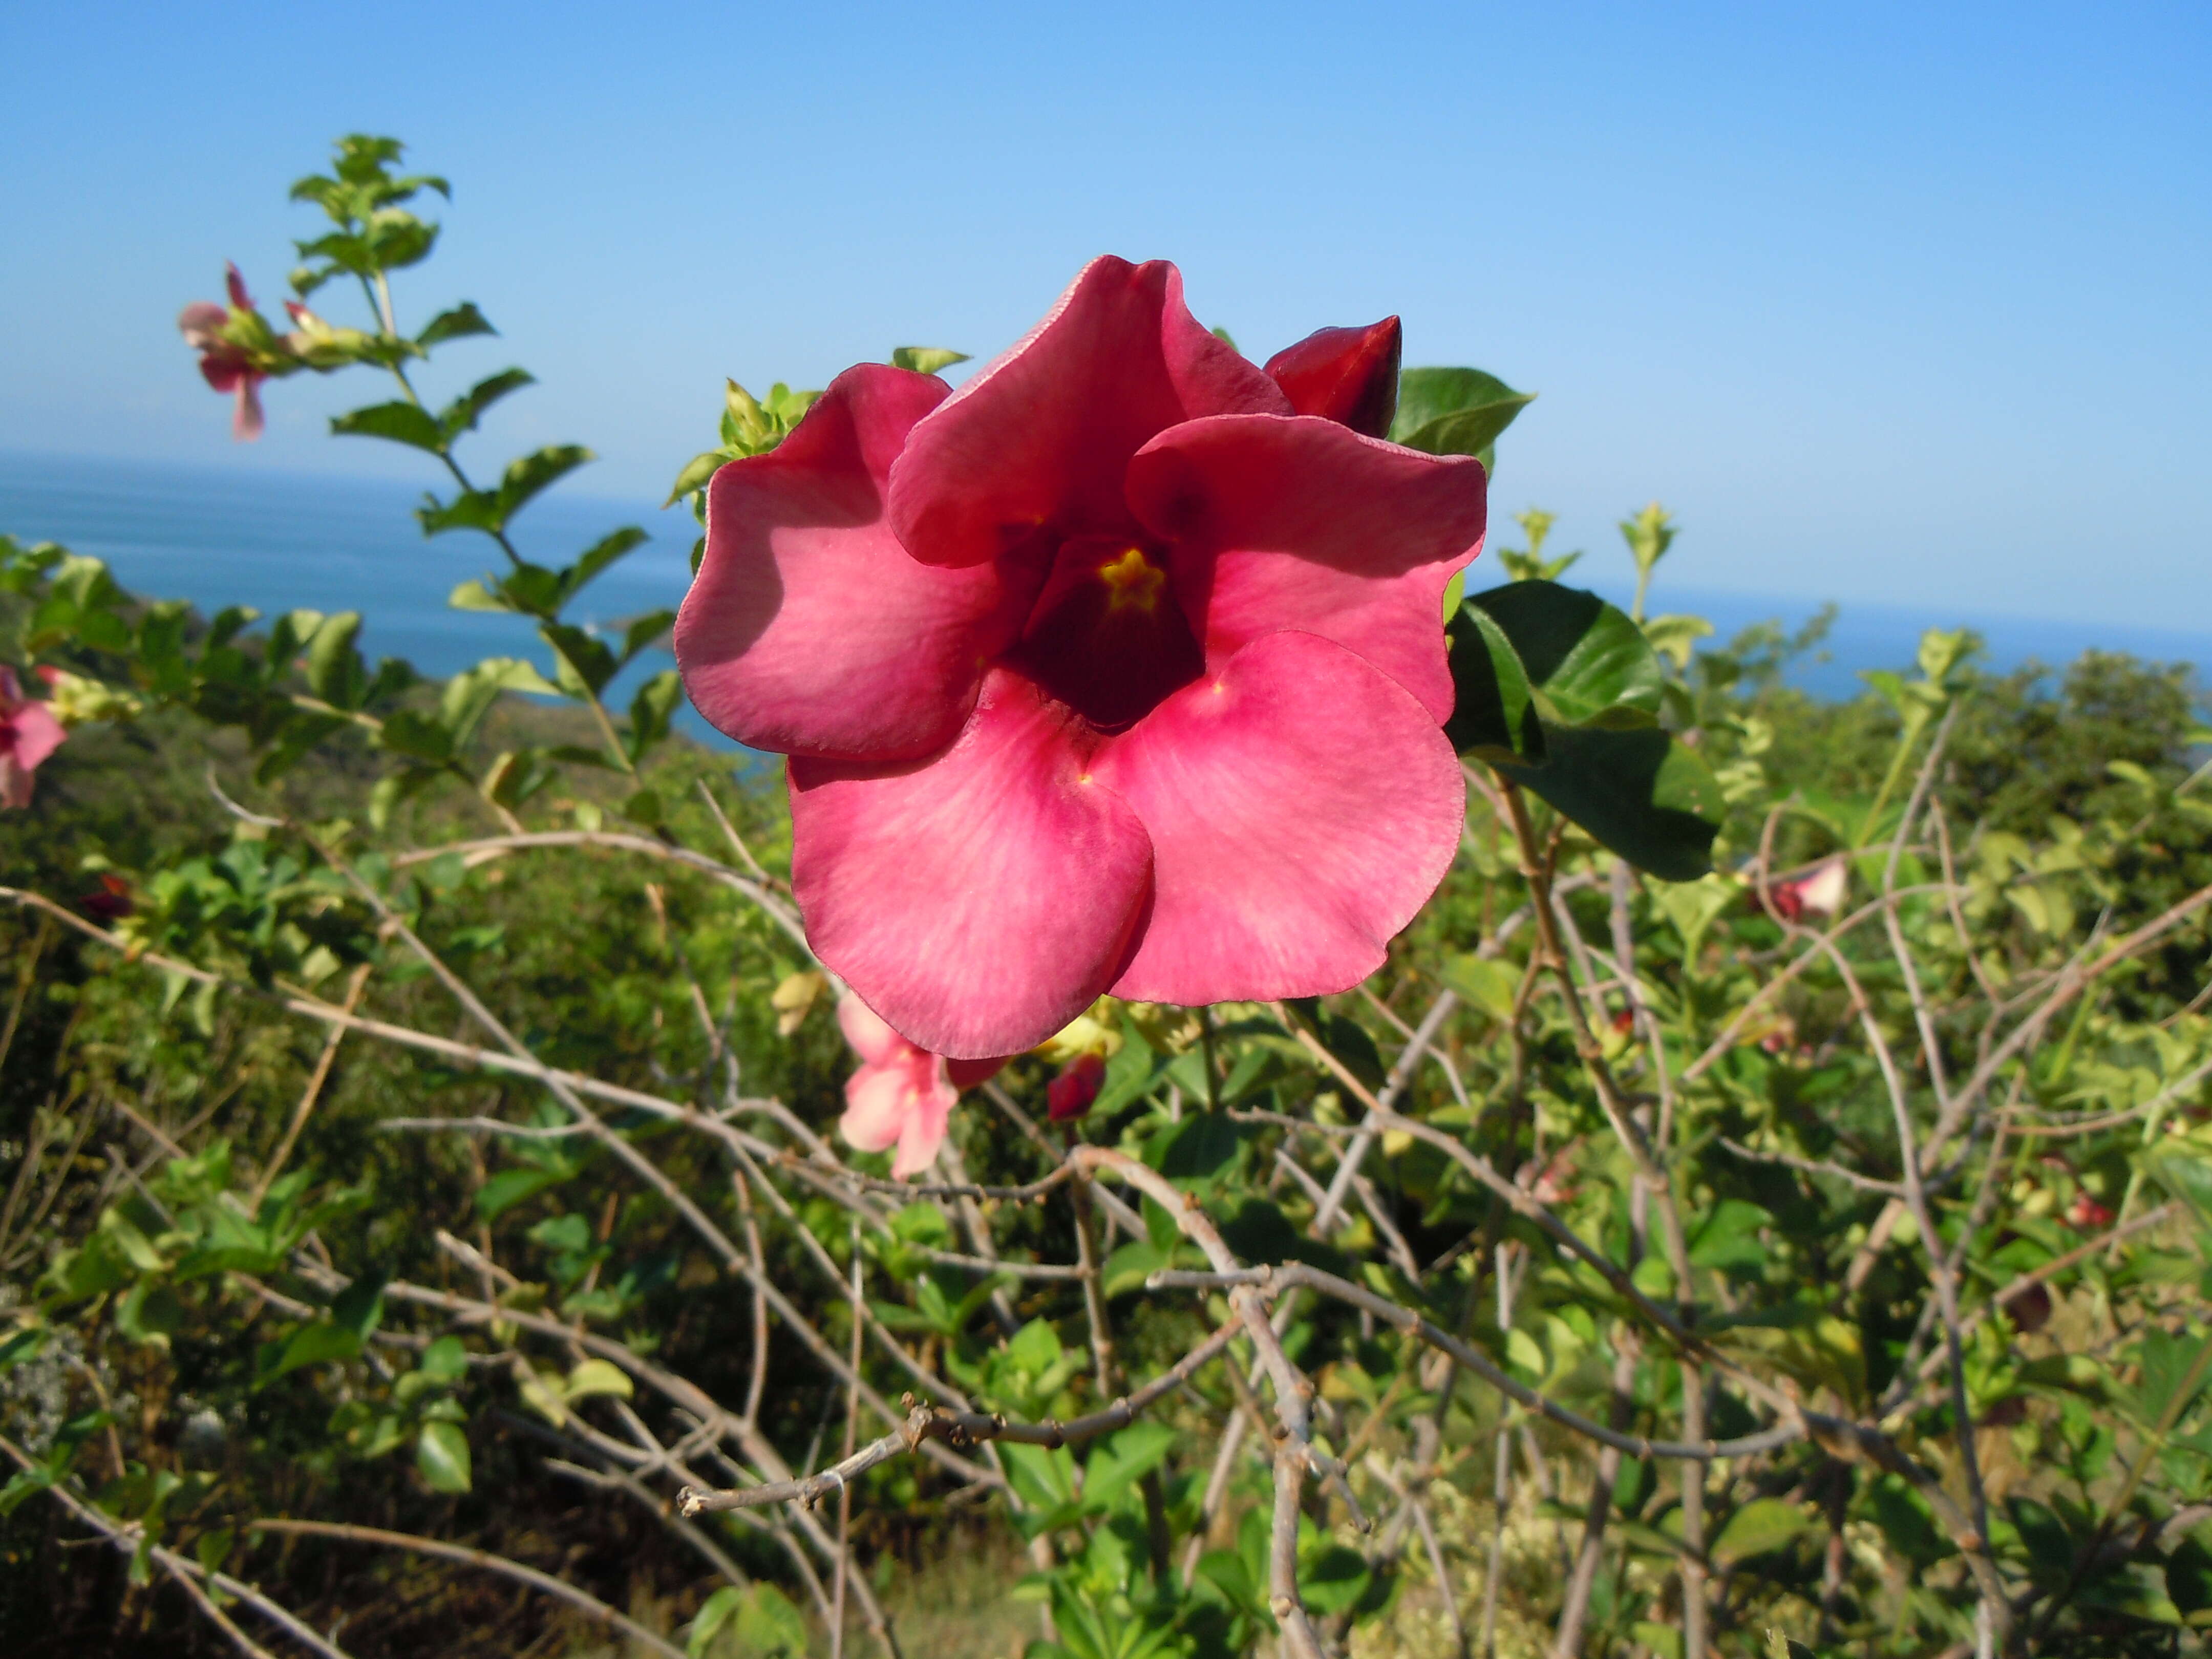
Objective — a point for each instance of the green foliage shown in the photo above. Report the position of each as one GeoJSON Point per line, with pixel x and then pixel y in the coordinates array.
{"type": "Point", "coordinates": [445, 1109]}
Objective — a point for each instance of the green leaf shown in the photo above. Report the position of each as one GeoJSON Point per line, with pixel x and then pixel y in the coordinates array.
{"type": "Point", "coordinates": [462, 414]}
{"type": "Point", "coordinates": [1129, 1267]}
{"type": "Point", "coordinates": [596, 1377]}
{"type": "Point", "coordinates": [645, 631]}
{"type": "Point", "coordinates": [1587, 663]}
{"type": "Point", "coordinates": [1119, 1462]}
{"type": "Point", "coordinates": [651, 709]}
{"type": "Point", "coordinates": [399, 423]}
{"type": "Point", "coordinates": [359, 1308]}
{"type": "Point", "coordinates": [583, 664]}
{"type": "Point", "coordinates": [714, 1613]}
{"type": "Point", "coordinates": [599, 556]}
{"type": "Point", "coordinates": [409, 731]}
{"type": "Point", "coordinates": [1454, 411]}
{"type": "Point", "coordinates": [1676, 636]}
{"type": "Point", "coordinates": [539, 469]}
{"type": "Point", "coordinates": [769, 1626]}
{"type": "Point", "coordinates": [457, 324]}
{"type": "Point", "coordinates": [469, 695]}
{"type": "Point", "coordinates": [1639, 794]}
{"type": "Point", "coordinates": [334, 671]}
{"type": "Point", "coordinates": [441, 1455]}
{"type": "Point", "coordinates": [313, 1345]}
{"type": "Point", "coordinates": [473, 510]}
{"type": "Point", "coordinates": [696, 473]}
{"type": "Point", "coordinates": [1759, 1528]}
{"type": "Point", "coordinates": [1492, 987]}
{"type": "Point", "coordinates": [926, 360]}
{"type": "Point", "coordinates": [509, 1188]}
{"type": "Point", "coordinates": [446, 1360]}
{"type": "Point", "coordinates": [1494, 713]}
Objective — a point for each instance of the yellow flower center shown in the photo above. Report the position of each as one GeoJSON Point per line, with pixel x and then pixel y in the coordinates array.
{"type": "Point", "coordinates": [1133, 581]}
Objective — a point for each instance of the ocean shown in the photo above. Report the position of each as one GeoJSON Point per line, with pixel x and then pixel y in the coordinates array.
{"type": "Point", "coordinates": [279, 542]}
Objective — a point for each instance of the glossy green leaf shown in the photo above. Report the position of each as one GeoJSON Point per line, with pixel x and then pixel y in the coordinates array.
{"type": "Point", "coordinates": [1640, 793]}
{"type": "Point", "coordinates": [1588, 664]}
{"type": "Point", "coordinates": [1494, 713]}
{"type": "Point", "coordinates": [1454, 411]}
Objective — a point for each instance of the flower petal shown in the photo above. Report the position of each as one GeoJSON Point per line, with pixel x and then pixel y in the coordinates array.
{"type": "Point", "coordinates": [1035, 444]}
{"type": "Point", "coordinates": [875, 1043]}
{"type": "Point", "coordinates": [1302, 807]}
{"type": "Point", "coordinates": [246, 420]}
{"type": "Point", "coordinates": [978, 900]}
{"type": "Point", "coordinates": [1348, 375]}
{"type": "Point", "coordinates": [904, 1103]}
{"type": "Point", "coordinates": [1303, 524]}
{"type": "Point", "coordinates": [809, 629]}
{"type": "Point", "coordinates": [923, 1135]}
{"type": "Point", "coordinates": [34, 734]}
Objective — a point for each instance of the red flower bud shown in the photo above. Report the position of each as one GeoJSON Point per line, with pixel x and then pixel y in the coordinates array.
{"type": "Point", "coordinates": [110, 900]}
{"type": "Point", "coordinates": [2087, 1212]}
{"type": "Point", "coordinates": [1348, 375]}
{"type": "Point", "coordinates": [1071, 1093]}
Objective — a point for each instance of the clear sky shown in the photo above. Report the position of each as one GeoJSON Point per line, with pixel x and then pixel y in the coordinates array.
{"type": "Point", "coordinates": [1899, 304]}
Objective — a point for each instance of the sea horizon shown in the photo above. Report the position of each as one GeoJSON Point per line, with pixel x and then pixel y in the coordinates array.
{"type": "Point", "coordinates": [329, 542]}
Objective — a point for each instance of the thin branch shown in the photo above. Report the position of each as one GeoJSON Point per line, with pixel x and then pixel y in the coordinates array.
{"type": "Point", "coordinates": [559, 1588]}
{"type": "Point", "coordinates": [961, 1430]}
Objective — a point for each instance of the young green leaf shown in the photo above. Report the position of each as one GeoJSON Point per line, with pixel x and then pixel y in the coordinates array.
{"type": "Point", "coordinates": [399, 423]}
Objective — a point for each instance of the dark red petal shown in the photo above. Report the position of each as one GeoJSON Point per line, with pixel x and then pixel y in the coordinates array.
{"type": "Point", "coordinates": [1348, 375]}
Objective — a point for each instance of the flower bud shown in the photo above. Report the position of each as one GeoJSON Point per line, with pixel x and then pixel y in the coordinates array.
{"type": "Point", "coordinates": [1070, 1094]}
{"type": "Point", "coordinates": [1348, 375]}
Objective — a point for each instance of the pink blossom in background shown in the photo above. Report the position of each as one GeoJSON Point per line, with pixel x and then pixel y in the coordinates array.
{"type": "Point", "coordinates": [1818, 892]}
{"type": "Point", "coordinates": [225, 367]}
{"type": "Point", "coordinates": [902, 1096]}
{"type": "Point", "coordinates": [28, 734]}
{"type": "Point", "coordinates": [1110, 672]}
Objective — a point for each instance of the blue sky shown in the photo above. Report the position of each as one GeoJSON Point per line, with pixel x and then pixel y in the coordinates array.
{"type": "Point", "coordinates": [1897, 304]}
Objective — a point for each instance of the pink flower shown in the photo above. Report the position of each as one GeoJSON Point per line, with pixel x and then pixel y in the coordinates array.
{"type": "Point", "coordinates": [225, 366]}
{"type": "Point", "coordinates": [1110, 671]}
{"type": "Point", "coordinates": [28, 734]}
{"type": "Point", "coordinates": [902, 1096]}
{"type": "Point", "coordinates": [1818, 892]}
{"type": "Point", "coordinates": [1070, 1094]}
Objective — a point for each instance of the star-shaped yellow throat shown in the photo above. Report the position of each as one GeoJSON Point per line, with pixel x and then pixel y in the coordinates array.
{"type": "Point", "coordinates": [1132, 582]}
